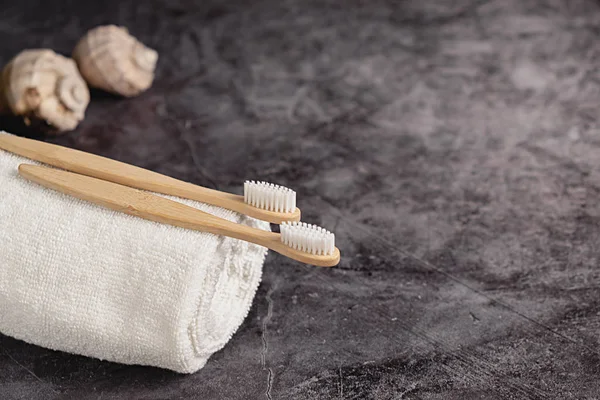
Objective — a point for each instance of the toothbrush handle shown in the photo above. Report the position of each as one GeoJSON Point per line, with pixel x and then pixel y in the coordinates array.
{"type": "Point", "coordinates": [155, 208]}
{"type": "Point", "coordinates": [129, 175]}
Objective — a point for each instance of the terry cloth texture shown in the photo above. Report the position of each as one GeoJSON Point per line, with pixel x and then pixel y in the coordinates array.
{"type": "Point", "coordinates": [83, 279]}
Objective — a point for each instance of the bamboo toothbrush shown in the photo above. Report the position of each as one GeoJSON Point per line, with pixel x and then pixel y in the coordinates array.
{"type": "Point", "coordinates": [268, 202]}
{"type": "Point", "coordinates": [302, 242]}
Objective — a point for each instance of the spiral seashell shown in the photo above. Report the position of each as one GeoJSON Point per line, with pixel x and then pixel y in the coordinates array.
{"type": "Point", "coordinates": [40, 84]}
{"type": "Point", "coordinates": [110, 59]}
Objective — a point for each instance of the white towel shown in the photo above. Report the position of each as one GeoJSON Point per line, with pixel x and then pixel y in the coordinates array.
{"type": "Point", "coordinates": [83, 279]}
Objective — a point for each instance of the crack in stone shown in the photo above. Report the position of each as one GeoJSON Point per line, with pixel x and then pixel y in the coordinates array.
{"type": "Point", "coordinates": [265, 347]}
{"type": "Point", "coordinates": [30, 372]}
{"type": "Point", "coordinates": [341, 384]}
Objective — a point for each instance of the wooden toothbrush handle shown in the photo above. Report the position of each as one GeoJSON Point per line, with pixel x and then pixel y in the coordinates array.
{"type": "Point", "coordinates": [141, 204]}
{"type": "Point", "coordinates": [135, 177]}
{"type": "Point", "coordinates": [155, 208]}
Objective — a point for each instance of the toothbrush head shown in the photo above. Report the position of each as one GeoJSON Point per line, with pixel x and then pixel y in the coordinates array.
{"type": "Point", "coordinates": [270, 197]}
{"type": "Point", "coordinates": [308, 238]}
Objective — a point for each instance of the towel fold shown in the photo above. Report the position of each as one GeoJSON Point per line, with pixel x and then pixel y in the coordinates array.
{"type": "Point", "coordinates": [83, 279]}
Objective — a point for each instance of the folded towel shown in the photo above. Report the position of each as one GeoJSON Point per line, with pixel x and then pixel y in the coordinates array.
{"type": "Point", "coordinates": [83, 279]}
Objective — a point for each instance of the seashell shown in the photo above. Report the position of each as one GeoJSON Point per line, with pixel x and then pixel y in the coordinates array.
{"type": "Point", "coordinates": [109, 58]}
{"type": "Point", "coordinates": [40, 84]}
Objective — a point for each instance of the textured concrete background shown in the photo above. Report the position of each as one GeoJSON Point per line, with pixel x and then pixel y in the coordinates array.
{"type": "Point", "coordinates": [453, 146]}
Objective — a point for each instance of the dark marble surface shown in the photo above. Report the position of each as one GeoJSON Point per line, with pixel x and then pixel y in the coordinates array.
{"type": "Point", "coordinates": [454, 146]}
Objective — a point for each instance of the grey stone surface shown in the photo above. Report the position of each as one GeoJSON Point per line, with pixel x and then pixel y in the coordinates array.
{"type": "Point", "coordinates": [453, 146]}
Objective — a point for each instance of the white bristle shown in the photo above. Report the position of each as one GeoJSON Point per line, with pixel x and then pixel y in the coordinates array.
{"type": "Point", "coordinates": [309, 238]}
{"type": "Point", "coordinates": [269, 196]}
